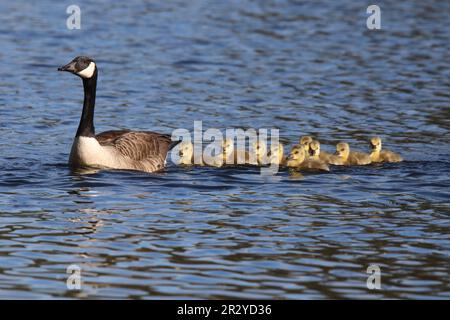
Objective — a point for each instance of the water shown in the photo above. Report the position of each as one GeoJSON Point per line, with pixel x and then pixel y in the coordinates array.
{"type": "Point", "coordinates": [227, 233]}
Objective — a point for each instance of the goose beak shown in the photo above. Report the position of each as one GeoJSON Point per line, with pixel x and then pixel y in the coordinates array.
{"type": "Point", "coordinates": [70, 67]}
{"type": "Point", "coordinates": [289, 157]}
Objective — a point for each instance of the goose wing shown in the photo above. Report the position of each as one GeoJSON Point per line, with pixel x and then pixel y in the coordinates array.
{"type": "Point", "coordinates": [137, 145]}
{"type": "Point", "coordinates": [107, 137]}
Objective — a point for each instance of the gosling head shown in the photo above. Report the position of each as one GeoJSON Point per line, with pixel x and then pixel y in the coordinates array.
{"type": "Point", "coordinates": [305, 141]}
{"type": "Point", "coordinates": [375, 144]}
{"type": "Point", "coordinates": [185, 152]}
{"type": "Point", "coordinates": [296, 156]}
{"type": "Point", "coordinates": [276, 153]}
{"type": "Point", "coordinates": [227, 147]}
{"type": "Point", "coordinates": [314, 149]}
{"type": "Point", "coordinates": [343, 150]}
{"type": "Point", "coordinates": [81, 66]}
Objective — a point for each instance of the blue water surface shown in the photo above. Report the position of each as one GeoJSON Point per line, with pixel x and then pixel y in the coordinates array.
{"type": "Point", "coordinates": [303, 67]}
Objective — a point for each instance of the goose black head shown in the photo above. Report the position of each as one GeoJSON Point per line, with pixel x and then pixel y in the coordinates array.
{"type": "Point", "coordinates": [81, 66]}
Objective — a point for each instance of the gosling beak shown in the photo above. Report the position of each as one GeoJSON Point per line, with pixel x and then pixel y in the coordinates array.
{"type": "Point", "coordinates": [70, 67]}
{"type": "Point", "coordinates": [289, 157]}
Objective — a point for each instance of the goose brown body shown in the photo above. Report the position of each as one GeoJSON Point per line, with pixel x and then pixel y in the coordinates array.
{"type": "Point", "coordinates": [126, 150]}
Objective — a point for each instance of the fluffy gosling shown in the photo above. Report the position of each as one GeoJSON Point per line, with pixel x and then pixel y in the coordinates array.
{"type": "Point", "coordinates": [350, 158]}
{"type": "Point", "coordinates": [304, 142]}
{"type": "Point", "coordinates": [378, 155]}
{"type": "Point", "coordinates": [232, 156]}
{"type": "Point", "coordinates": [297, 159]}
{"type": "Point", "coordinates": [317, 154]}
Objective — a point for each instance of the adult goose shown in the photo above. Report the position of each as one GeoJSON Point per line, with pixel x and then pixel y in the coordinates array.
{"type": "Point", "coordinates": [117, 149]}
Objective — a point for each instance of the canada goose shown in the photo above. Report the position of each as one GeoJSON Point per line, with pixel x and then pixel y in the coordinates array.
{"type": "Point", "coordinates": [378, 155]}
{"type": "Point", "coordinates": [305, 141]}
{"type": "Point", "coordinates": [276, 154]}
{"type": "Point", "coordinates": [351, 157]}
{"type": "Point", "coordinates": [317, 154]}
{"type": "Point", "coordinates": [121, 149]}
{"type": "Point", "coordinates": [297, 159]}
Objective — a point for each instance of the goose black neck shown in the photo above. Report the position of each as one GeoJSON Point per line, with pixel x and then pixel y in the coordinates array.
{"type": "Point", "coordinates": [86, 126]}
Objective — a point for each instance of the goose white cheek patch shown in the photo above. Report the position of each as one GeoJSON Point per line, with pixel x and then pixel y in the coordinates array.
{"type": "Point", "coordinates": [87, 72]}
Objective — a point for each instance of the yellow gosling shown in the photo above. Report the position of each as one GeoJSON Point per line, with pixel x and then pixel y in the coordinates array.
{"type": "Point", "coordinates": [276, 154]}
{"type": "Point", "coordinates": [317, 154]}
{"type": "Point", "coordinates": [378, 155]}
{"type": "Point", "coordinates": [297, 159]}
{"type": "Point", "coordinates": [350, 158]}
{"type": "Point", "coordinates": [304, 142]}
{"type": "Point", "coordinates": [228, 151]}
{"type": "Point", "coordinates": [232, 156]}
{"type": "Point", "coordinates": [186, 153]}
{"type": "Point", "coordinates": [260, 152]}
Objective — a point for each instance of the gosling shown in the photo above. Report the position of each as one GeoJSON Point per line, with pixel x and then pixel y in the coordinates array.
{"type": "Point", "coordinates": [328, 158]}
{"type": "Point", "coordinates": [186, 153]}
{"type": "Point", "coordinates": [232, 156]}
{"type": "Point", "coordinates": [350, 158]}
{"type": "Point", "coordinates": [304, 142]}
{"type": "Point", "coordinates": [378, 155]}
{"type": "Point", "coordinates": [297, 159]}
{"type": "Point", "coordinates": [260, 151]}
{"type": "Point", "coordinates": [276, 154]}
